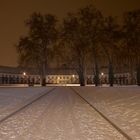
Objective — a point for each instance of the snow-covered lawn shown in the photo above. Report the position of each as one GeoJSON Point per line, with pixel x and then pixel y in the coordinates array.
{"type": "Point", "coordinates": [13, 98]}
{"type": "Point", "coordinates": [120, 104]}
{"type": "Point", "coordinates": [61, 115]}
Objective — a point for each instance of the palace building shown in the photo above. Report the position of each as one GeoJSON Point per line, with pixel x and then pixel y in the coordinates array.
{"type": "Point", "coordinates": [16, 75]}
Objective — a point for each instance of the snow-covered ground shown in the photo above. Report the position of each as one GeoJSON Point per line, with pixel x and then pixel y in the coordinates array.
{"type": "Point", "coordinates": [120, 104]}
{"type": "Point", "coordinates": [13, 98]}
{"type": "Point", "coordinates": [61, 115]}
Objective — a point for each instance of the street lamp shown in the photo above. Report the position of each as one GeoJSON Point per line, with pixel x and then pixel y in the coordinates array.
{"type": "Point", "coordinates": [24, 73]}
{"type": "Point", "coordinates": [24, 76]}
{"type": "Point", "coordinates": [102, 78]}
{"type": "Point", "coordinates": [72, 79]}
{"type": "Point", "coordinates": [102, 73]}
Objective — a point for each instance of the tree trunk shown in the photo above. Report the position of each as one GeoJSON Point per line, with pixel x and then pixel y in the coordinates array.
{"type": "Point", "coordinates": [132, 72]}
{"type": "Point", "coordinates": [82, 79]}
{"type": "Point", "coordinates": [82, 82]}
{"type": "Point", "coordinates": [96, 75]}
{"type": "Point", "coordinates": [111, 74]}
{"type": "Point", "coordinates": [138, 75]}
{"type": "Point", "coordinates": [82, 76]}
{"type": "Point", "coordinates": [43, 75]}
{"type": "Point", "coordinates": [43, 81]}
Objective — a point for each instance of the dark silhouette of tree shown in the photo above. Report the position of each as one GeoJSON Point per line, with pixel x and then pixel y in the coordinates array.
{"type": "Point", "coordinates": [131, 30]}
{"type": "Point", "coordinates": [92, 20]}
{"type": "Point", "coordinates": [81, 32]}
{"type": "Point", "coordinates": [73, 35]}
{"type": "Point", "coordinates": [109, 41]}
{"type": "Point", "coordinates": [35, 48]}
{"type": "Point", "coordinates": [85, 40]}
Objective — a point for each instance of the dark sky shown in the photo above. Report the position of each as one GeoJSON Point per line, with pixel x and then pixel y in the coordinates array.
{"type": "Point", "coordinates": [14, 12]}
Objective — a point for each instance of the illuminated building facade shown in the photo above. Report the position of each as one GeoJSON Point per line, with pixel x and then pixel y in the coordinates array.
{"type": "Point", "coordinates": [10, 75]}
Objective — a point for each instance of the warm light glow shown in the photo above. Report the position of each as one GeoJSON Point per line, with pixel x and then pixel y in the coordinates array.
{"type": "Point", "coordinates": [102, 73]}
{"type": "Point", "coordinates": [24, 73]}
{"type": "Point", "coordinates": [73, 76]}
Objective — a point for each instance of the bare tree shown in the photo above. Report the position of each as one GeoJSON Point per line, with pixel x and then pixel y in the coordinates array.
{"type": "Point", "coordinates": [92, 21]}
{"type": "Point", "coordinates": [77, 45]}
{"type": "Point", "coordinates": [131, 30]}
{"type": "Point", "coordinates": [35, 48]}
{"type": "Point", "coordinates": [109, 40]}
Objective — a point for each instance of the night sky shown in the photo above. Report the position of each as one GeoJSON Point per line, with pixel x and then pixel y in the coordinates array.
{"type": "Point", "coordinates": [14, 12]}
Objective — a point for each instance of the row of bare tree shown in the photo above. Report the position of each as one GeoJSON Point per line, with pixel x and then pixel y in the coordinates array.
{"type": "Point", "coordinates": [85, 39]}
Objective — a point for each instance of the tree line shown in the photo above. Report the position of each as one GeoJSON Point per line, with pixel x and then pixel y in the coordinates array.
{"type": "Point", "coordinates": [84, 39]}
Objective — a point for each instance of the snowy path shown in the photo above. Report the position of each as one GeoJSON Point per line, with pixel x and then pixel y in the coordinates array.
{"type": "Point", "coordinates": [120, 105]}
{"type": "Point", "coordinates": [60, 115]}
{"type": "Point", "coordinates": [11, 99]}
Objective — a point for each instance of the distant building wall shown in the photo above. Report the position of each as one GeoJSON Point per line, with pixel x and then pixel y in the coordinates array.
{"type": "Point", "coordinates": [6, 78]}
{"type": "Point", "coordinates": [58, 76]}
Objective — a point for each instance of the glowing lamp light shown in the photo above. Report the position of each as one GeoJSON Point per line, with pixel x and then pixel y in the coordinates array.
{"type": "Point", "coordinates": [24, 73]}
{"type": "Point", "coordinates": [102, 73]}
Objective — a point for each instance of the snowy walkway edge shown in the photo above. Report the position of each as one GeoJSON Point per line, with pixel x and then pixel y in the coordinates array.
{"type": "Point", "coordinates": [104, 116]}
